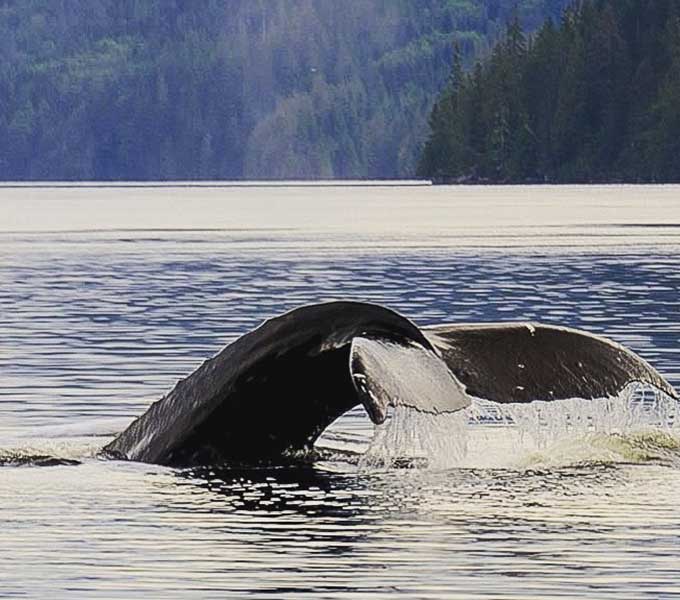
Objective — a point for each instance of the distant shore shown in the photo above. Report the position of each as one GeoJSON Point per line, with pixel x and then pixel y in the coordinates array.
{"type": "Point", "coordinates": [219, 184]}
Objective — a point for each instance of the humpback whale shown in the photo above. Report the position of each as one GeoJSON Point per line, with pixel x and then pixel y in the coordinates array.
{"type": "Point", "coordinates": [275, 389]}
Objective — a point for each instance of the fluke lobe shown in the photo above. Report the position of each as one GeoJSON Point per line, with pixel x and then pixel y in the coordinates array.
{"type": "Point", "coordinates": [275, 389]}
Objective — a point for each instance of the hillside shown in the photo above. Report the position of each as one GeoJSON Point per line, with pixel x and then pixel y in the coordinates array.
{"type": "Point", "coordinates": [208, 89]}
{"type": "Point", "coordinates": [592, 98]}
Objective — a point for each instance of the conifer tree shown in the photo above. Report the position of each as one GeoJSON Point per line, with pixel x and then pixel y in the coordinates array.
{"type": "Point", "coordinates": [596, 98]}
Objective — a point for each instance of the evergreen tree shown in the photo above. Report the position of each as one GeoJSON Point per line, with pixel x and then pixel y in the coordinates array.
{"type": "Point", "coordinates": [595, 99]}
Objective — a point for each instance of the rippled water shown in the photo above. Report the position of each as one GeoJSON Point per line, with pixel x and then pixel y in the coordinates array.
{"type": "Point", "coordinates": [109, 295]}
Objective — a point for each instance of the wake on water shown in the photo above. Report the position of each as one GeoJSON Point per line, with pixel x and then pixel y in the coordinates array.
{"type": "Point", "coordinates": [59, 444]}
{"type": "Point", "coordinates": [640, 425]}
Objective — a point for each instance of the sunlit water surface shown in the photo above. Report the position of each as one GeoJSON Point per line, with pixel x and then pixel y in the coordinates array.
{"type": "Point", "coordinates": [109, 295]}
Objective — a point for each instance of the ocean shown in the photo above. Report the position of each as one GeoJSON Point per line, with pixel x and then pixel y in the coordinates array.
{"type": "Point", "coordinates": [111, 293]}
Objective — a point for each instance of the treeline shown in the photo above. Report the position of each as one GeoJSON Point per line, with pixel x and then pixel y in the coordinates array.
{"type": "Point", "coordinates": [230, 89]}
{"type": "Point", "coordinates": [593, 99]}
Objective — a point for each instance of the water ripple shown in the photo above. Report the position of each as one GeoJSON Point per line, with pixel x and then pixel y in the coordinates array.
{"type": "Point", "coordinates": [97, 324]}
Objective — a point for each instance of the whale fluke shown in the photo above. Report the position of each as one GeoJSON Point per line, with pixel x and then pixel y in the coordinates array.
{"type": "Point", "coordinates": [524, 362]}
{"type": "Point", "coordinates": [274, 389]}
{"type": "Point", "coordinates": [406, 374]}
{"type": "Point", "coordinates": [277, 388]}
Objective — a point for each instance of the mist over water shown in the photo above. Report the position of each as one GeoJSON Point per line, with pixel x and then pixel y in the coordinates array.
{"type": "Point", "coordinates": [99, 318]}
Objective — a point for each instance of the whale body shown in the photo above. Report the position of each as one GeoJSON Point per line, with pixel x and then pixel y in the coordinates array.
{"type": "Point", "coordinates": [275, 389]}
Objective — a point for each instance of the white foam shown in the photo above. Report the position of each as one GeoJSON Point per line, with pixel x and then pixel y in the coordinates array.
{"type": "Point", "coordinates": [489, 435]}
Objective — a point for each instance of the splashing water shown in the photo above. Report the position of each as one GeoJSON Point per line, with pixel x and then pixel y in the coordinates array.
{"type": "Point", "coordinates": [637, 407]}
{"type": "Point", "coordinates": [638, 425]}
{"type": "Point", "coordinates": [410, 438]}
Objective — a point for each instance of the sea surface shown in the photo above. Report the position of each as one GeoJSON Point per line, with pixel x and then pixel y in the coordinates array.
{"type": "Point", "coordinates": [109, 294]}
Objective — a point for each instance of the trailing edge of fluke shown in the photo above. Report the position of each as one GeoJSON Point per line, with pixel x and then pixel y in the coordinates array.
{"type": "Point", "coordinates": [276, 388]}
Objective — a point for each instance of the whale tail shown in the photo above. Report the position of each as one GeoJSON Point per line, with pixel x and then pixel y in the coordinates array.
{"type": "Point", "coordinates": [277, 388]}
{"type": "Point", "coordinates": [523, 362]}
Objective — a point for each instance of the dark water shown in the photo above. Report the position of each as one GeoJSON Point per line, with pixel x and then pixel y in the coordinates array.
{"type": "Point", "coordinates": [99, 317]}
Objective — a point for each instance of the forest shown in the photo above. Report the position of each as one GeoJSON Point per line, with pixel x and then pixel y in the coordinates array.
{"type": "Point", "coordinates": [236, 89]}
{"type": "Point", "coordinates": [593, 97]}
